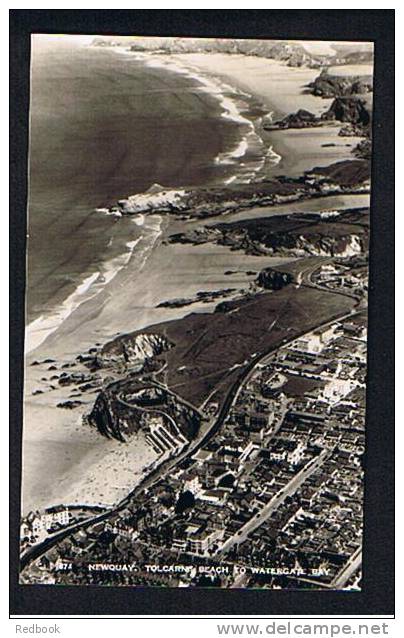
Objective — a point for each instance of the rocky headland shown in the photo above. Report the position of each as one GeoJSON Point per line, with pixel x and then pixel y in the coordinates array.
{"type": "Point", "coordinates": [327, 85]}
{"type": "Point", "coordinates": [293, 53]}
{"type": "Point", "coordinates": [349, 176]}
{"type": "Point", "coordinates": [327, 234]}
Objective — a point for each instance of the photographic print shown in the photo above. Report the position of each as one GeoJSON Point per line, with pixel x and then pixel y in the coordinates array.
{"type": "Point", "coordinates": [196, 312]}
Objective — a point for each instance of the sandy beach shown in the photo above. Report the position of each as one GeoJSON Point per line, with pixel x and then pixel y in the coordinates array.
{"type": "Point", "coordinates": [74, 451]}
{"type": "Point", "coordinates": [279, 90]}
{"type": "Point", "coordinates": [83, 464]}
{"type": "Point", "coordinates": [65, 461]}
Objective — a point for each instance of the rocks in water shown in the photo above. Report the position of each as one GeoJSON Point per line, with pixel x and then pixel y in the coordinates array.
{"type": "Point", "coordinates": [364, 149]}
{"type": "Point", "coordinates": [300, 119]}
{"type": "Point", "coordinates": [354, 111]}
{"type": "Point", "coordinates": [38, 363]}
{"type": "Point", "coordinates": [69, 405]}
{"type": "Point", "coordinates": [75, 378]}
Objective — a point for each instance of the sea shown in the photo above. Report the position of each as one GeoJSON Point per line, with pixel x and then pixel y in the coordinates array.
{"type": "Point", "coordinates": [106, 124]}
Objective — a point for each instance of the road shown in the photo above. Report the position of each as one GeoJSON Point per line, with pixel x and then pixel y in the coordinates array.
{"type": "Point", "coordinates": [36, 551]}
{"type": "Point", "coordinates": [273, 504]}
{"type": "Point", "coordinates": [149, 410]}
{"type": "Point", "coordinates": [305, 278]}
{"type": "Point", "coordinates": [341, 579]}
{"type": "Point", "coordinates": [166, 468]}
{"type": "Point", "coordinates": [349, 568]}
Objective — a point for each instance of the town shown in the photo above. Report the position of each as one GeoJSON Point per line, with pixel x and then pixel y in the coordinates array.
{"type": "Point", "coordinates": [274, 499]}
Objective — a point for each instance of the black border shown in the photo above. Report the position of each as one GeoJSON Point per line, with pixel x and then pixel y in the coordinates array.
{"type": "Point", "coordinates": [377, 597]}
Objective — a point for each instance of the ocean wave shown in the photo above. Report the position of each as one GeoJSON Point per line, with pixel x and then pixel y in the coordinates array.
{"type": "Point", "coordinates": [38, 330]}
{"type": "Point", "coordinates": [272, 156]}
{"type": "Point", "coordinates": [232, 157]}
{"type": "Point", "coordinates": [139, 220]}
{"type": "Point", "coordinates": [228, 98]}
{"type": "Point", "coordinates": [108, 211]}
{"type": "Point", "coordinates": [41, 328]}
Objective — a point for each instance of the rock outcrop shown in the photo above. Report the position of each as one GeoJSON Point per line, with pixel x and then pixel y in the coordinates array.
{"type": "Point", "coordinates": [300, 119]}
{"type": "Point", "coordinates": [130, 349]}
{"type": "Point", "coordinates": [343, 234]}
{"type": "Point", "coordinates": [271, 279]}
{"type": "Point", "coordinates": [327, 85]}
{"type": "Point", "coordinates": [345, 173]}
{"type": "Point", "coordinates": [354, 110]}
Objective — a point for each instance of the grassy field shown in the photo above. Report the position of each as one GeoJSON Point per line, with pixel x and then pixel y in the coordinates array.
{"type": "Point", "coordinates": [211, 350]}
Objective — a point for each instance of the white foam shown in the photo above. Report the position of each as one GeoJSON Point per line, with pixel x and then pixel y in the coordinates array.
{"type": "Point", "coordinates": [232, 157]}
{"type": "Point", "coordinates": [107, 211]}
{"type": "Point", "coordinates": [272, 156]}
{"type": "Point", "coordinates": [38, 330]}
{"type": "Point", "coordinates": [139, 220]}
{"type": "Point", "coordinates": [229, 180]}
{"type": "Point", "coordinates": [230, 110]}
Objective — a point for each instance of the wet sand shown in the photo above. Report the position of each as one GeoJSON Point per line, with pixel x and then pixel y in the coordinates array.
{"type": "Point", "coordinates": [281, 90]}
{"type": "Point", "coordinates": [56, 443]}
{"type": "Point", "coordinates": [64, 460]}
{"type": "Point", "coordinates": [116, 128]}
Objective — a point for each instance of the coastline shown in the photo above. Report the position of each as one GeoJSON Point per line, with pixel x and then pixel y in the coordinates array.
{"type": "Point", "coordinates": [279, 90]}
{"type": "Point", "coordinates": [92, 282]}
{"type": "Point", "coordinates": [289, 152]}
{"type": "Point", "coordinates": [152, 273]}
{"type": "Point", "coordinates": [153, 129]}
{"type": "Point", "coordinates": [248, 154]}
{"type": "Point", "coordinates": [128, 303]}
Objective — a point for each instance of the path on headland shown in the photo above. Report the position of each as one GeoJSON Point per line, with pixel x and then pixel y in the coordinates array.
{"type": "Point", "coordinates": [36, 551]}
{"type": "Point", "coordinates": [212, 427]}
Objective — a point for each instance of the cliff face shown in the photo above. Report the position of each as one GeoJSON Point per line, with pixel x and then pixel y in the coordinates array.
{"type": "Point", "coordinates": [104, 418]}
{"type": "Point", "coordinates": [116, 418]}
{"type": "Point", "coordinates": [130, 349]}
{"type": "Point", "coordinates": [345, 173]}
{"type": "Point", "coordinates": [305, 245]}
{"type": "Point", "coordinates": [344, 246]}
{"type": "Point", "coordinates": [293, 53]}
{"type": "Point", "coordinates": [329, 234]}
{"type": "Point", "coordinates": [354, 110]}
{"type": "Point", "coordinates": [326, 85]}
